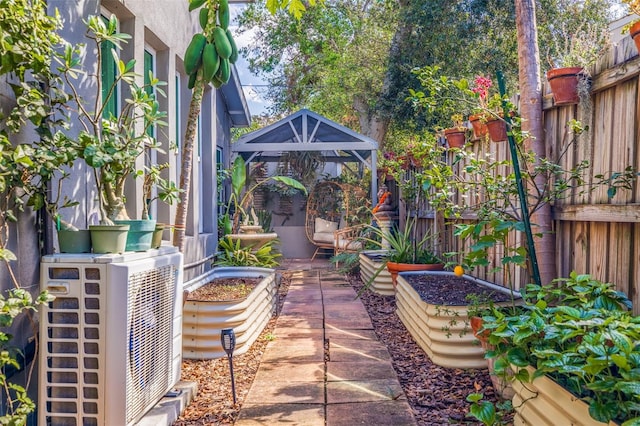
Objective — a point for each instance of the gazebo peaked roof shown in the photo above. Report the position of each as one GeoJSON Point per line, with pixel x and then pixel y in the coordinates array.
{"type": "Point", "coordinates": [308, 131]}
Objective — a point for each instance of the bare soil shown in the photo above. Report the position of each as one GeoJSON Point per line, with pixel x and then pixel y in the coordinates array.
{"type": "Point", "coordinates": [436, 394]}
{"type": "Point", "coordinates": [451, 290]}
{"type": "Point", "coordinates": [224, 289]}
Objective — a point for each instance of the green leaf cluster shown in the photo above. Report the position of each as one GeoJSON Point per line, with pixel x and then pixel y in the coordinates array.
{"type": "Point", "coordinates": [241, 196]}
{"type": "Point", "coordinates": [232, 253]}
{"type": "Point", "coordinates": [578, 331]}
{"type": "Point", "coordinates": [403, 246]}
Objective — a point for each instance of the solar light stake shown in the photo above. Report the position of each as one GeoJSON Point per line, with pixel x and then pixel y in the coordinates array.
{"type": "Point", "coordinates": [228, 339]}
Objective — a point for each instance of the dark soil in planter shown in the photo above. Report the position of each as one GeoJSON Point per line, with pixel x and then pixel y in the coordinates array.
{"type": "Point", "coordinates": [451, 290]}
{"type": "Point", "coordinates": [224, 289]}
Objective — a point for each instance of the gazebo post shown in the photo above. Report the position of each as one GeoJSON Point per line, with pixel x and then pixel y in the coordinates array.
{"type": "Point", "coordinates": [374, 177]}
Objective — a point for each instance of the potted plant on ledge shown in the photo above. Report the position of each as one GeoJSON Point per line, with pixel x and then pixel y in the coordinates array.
{"type": "Point", "coordinates": [111, 142]}
{"type": "Point", "coordinates": [456, 135]}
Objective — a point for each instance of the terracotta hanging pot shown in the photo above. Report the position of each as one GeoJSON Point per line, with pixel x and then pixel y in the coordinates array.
{"type": "Point", "coordinates": [479, 126]}
{"type": "Point", "coordinates": [564, 84]}
{"type": "Point", "coordinates": [455, 137]}
{"type": "Point", "coordinates": [497, 129]}
{"type": "Point", "coordinates": [634, 32]}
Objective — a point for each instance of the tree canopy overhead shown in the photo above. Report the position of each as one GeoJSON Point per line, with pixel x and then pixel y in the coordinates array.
{"type": "Point", "coordinates": [352, 60]}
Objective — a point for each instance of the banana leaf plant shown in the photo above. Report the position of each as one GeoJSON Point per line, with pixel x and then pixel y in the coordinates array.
{"type": "Point", "coordinates": [241, 195]}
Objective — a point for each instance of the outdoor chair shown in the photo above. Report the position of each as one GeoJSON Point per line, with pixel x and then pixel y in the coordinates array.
{"type": "Point", "coordinates": [336, 213]}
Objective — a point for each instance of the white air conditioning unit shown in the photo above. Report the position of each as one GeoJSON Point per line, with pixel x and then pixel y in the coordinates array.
{"type": "Point", "coordinates": [110, 343]}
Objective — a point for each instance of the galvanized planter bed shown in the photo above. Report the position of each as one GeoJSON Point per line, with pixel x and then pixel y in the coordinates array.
{"type": "Point", "coordinates": [442, 331]}
{"type": "Point", "coordinates": [204, 320]}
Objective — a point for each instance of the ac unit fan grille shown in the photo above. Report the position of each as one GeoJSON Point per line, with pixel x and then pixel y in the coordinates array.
{"type": "Point", "coordinates": [150, 319]}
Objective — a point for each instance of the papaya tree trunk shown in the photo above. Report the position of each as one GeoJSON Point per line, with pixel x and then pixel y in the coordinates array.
{"type": "Point", "coordinates": [531, 107]}
{"type": "Point", "coordinates": [187, 162]}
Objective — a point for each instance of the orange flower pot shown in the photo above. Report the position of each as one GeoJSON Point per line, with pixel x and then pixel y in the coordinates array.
{"type": "Point", "coordinates": [497, 129]}
{"type": "Point", "coordinates": [634, 32]}
{"type": "Point", "coordinates": [455, 137]}
{"type": "Point", "coordinates": [479, 126]}
{"type": "Point", "coordinates": [395, 268]}
{"type": "Point", "coordinates": [564, 84]}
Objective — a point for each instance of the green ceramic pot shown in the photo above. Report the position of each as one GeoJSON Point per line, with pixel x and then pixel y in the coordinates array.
{"type": "Point", "coordinates": [74, 241]}
{"type": "Point", "coordinates": [109, 238]}
{"type": "Point", "coordinates": [140, 234]}
{"type": "Point", "coordinates": [156, 240]}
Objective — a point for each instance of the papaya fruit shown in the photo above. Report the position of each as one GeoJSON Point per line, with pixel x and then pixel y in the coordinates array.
{"type": "Point", "coordinates": [234, 48]}
{"type": "Point", "coordinates": [222, 43]}
{"type": "Point", "coordinates": [216, 82]}
{"type": "Point", "coordinates": [224, 16]}
{"type": "Point", "coordinates": [224, 73]}
{"type": "Point", "coordinates": [210, 62]}
{"type": "Point", "coordinates": [223, 5]}
{"type": "Point", "coordinates": [194, 4]}
{"type": "Point", "coordinates": [192, 80]}
{"type": "Point", "coordinates": [193, 55]}
{"type": "Point", "coordinates": [203, 17]}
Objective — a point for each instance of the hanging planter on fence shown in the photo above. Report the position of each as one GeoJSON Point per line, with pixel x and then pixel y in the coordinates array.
{"type": "Point", "coordinates": [456, 137]}
{"type": "Point", "coordinates": [634, 32]}
{"type": "Point", "coordinates": [479, 126]}
{"type": "Point", "coordinates": [564, 84]}
{"type": "Point", "coordinates": [497, 129]}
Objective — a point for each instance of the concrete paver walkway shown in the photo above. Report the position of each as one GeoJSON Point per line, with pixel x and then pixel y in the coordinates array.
{"type": "Point", "coordinates": [325, 365]}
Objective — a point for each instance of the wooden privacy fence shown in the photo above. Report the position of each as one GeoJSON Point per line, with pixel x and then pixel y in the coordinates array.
{"type": "Point", "coordinates": [594, 234]}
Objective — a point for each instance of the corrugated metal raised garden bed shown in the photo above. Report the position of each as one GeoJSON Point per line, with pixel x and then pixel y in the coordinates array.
{"type": "Point", "coordinates": [203, 320]}
{"type": "Point", "coordinates": [438, 321]}
{"type": "Point", "coordinates": [370, 262]}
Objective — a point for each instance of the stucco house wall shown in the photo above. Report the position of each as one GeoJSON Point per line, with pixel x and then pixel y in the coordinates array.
{"type": "Point", "coordinates": [164, 28]}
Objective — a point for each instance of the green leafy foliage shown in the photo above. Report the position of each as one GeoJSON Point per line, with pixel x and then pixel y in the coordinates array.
{"type": "Point", "coordinates": [232, 253]}
{"type": "Point", "coordinates": [241, 196]}
{"type": "Point", "coordinates": [111, 144]}
{"type": "Point", "coordinates": [578, 331]}
{"type": "Point", "coordinates": [403, 247]}
{"type": "Point", "coordinates": [19, 405]}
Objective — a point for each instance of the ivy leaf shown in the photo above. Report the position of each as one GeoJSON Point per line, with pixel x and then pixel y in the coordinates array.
{"type": "Point", "coordinates": [518, 357]}
{"type": "Point", "coordinates": [484, 411]}
{"type": "Point", "coordinates": [7, 255]}
{"type": "Point", "coordinates": [603, 412]}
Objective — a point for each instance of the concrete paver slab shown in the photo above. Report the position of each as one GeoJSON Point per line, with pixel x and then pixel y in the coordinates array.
{"type": "Point", "coordinates": [296, 321]}
{"type": "Point", "coordinates": [358, 345]}
{"type": "Point", "coordinates": [281, 371]}
{"type": "Point", "coordinates": [290, 392]}
{"type": "Point", "coordinates": [295, 333]}
{"type": "Point", "coordinates": [339, 333]}
{"type": "Point", "coordinates": [347, 312]}
{"type": "Point", "coordinates": [355, 355]}
{"type": "Point", "coordinates": [309, 311]}
{"type": "Point", "coordinates": [349, 323]}
{"type": "Point", "coordinates": [379, 413]}
{"type": "Point", "coordinates": [273, 414]}
{"type": "Point", "coordinates": [364, 370]}
{"type": "Point", "coordinates": [364, 390]}
{"type": "Point", "coordinates": [300, 350]}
